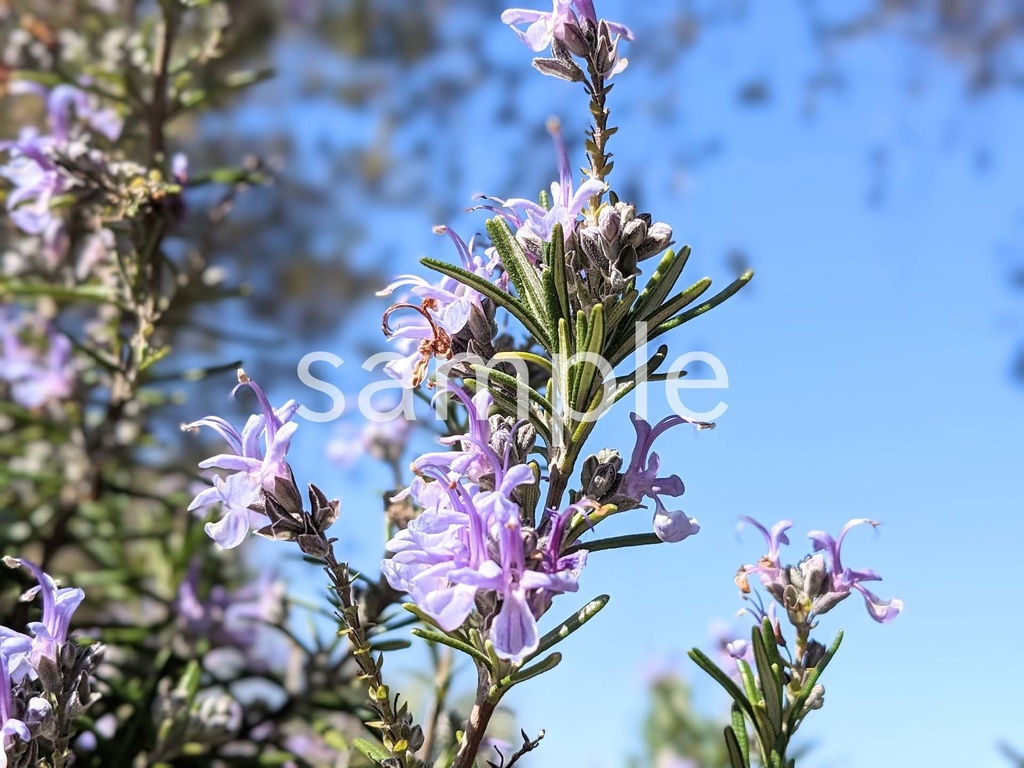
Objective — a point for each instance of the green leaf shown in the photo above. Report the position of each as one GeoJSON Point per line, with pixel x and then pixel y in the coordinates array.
{"type": "Point", "coordinates": [495, 294]}
{"type": "Point", "coordinates": [674, 305]}
{"type": "Point", "coordinates": [532, 671]}
{"type": "Point", "coordinates": [617, 542]}
{"type": "Point", "coordinates": [580, 396]}
{"type": "Point", "coordinates": [736, 759]}
{"type": "Point", "coordinates": [662, 281]}
{"type": "Point", "coordinates": [702, 661]}
{"type": "Point", "coordinates": [529, 357]}
{"type": "Point", "coordinates": [626, 384]}
{"type": "Point", "coordinates": [154, 356]}
{"type": "Point", "coordinates": [245, 78]}
{"type": "Point", "coordinates": [99, 294]}
{"type": "Point", "coordinates": [747, 676]}
{"type": "Point", "coordinates": [452, 642]}
{"type": "Point", "coordinates": [49, 79]}
{"type": "Point", "coordinates": [372, 750]}
{"type": "Point", "coordinates": [571, 624]}
{"type": "Point", "coordinates": [739, 728]}
{"type": "Point", "coordinates": [190, 679]}
{"type": "Point", "coordinates": [711, 303]}
{"type": "Point", "coordinates": [770, 645]}
{"type": "Point", "coordinates": [520, 270]}
{"type": "Point", "coordinates": [515, 385]}
{"type": "Point", "coordinates": [390, 645]}
{"type": "Point", "coordinates": [621, 308]}
{"type": "Point", "coordinates": [555, 283]}
{"type": "Point", "coordinates": [771, 685]}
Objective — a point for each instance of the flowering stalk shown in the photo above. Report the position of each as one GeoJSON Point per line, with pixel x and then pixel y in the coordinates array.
{"type": "Point", "coordinates": [779, 687]}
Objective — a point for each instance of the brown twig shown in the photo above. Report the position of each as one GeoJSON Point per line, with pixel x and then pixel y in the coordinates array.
{"type": "Point", "coordinates": [476, 727]}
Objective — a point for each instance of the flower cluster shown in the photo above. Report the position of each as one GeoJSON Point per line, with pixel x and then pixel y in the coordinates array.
{"type": "Point", "coordinates": [255, 464]}
{"type": "Point", "coordinates": [471, 549]}
{"type": "Point", "coordinates": [36, 169]}
{"type": "Point", "coordinates": [572, 26]}
{"type": "Point", "coordinates": [816, 584]}
{"type": "Point", "coordinates": [44, 679]}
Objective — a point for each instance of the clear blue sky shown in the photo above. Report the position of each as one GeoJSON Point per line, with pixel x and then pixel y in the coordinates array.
{"type": "Point", "coordinates": [868, 362]}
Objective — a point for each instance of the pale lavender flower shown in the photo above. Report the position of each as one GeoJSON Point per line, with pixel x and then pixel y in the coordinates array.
{"type": "Point", "coordinates": [474, 458]}
{"type": "Point", "coordinates": [32, 171]}
{"type": "Point", "coordinates": [312, 748]}
{"type": "Point", "coordinates": [740, 650]}
{"type": "Point", "coordinates": [845, 579]}
{"type": "Point", "coordinates": [50, 632]}
{"type": "Point", "coordinates": [470, 542]}
{"type": "Point", "coordinates": [544, 27]}
{"type": "Point", "coordinates": [514, 627]}
{"type": "Point", "coordinates": [256, 462]}
{"type": "Point", "coordinates": [769, 567]}
{"type": "Point", "coordinates": [813, 586]}
{"type": "Point", "coordinates": [641, 479]}
{"type": "Point", "coordinates": [446, 309]}
{"type": "Point", "coordinates": [35, 378]}
{"type": "Point", "coordinates": [383, 440]}
{"type": "Point", "coordinates": [11, 728]}
{"type": "Point", "coordinates": [567, 203]}
{"type": "Point", "coordinates": [65, 104]}
{"type": "Point", "coordinates": [228, 617]}
{"type": "Point", "coordinates": [36, 180]}
{"type": "Point", "coordinates": [56, 243]}
{"type": "Point", "coordinates": [179, 167]}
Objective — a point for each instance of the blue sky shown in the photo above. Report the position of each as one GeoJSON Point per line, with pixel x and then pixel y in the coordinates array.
{"type": "Point", "coordinates": [869, 377]}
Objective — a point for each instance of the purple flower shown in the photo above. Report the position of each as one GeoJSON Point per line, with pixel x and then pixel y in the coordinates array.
{"type": "Point", "coordinates": [228, 617]}
{"type": "Point", "coordinates": [641, 479]}
{"type": "Point", "coordinates": [545, 27]}
{"type": "Point", "coordinates": [739, 649]}
{"type": "Point", "coordinates": [256, 462]}
{"type": "Point", "coordinates": [845, 579]}
{"type": "Point", "coordinates": [446, 308]}
{"type": "Point", "coordinates": [446, 536]}
{"type": "Point", "coordinates": [469, 542]}
{"type": "Point", "coordinates": [35, 176]}
{"type": "Point", "coordinates": [514, 628]}
{"type": "Point", "coordinates": [385, 441]}
{"type": "Point", "coordinates": [10, 726]}
{"type": "Point", "coordinates": [36, 180]}
{"type": "Point", "coordinates": [769, 568]}
{"type": "Point", "coordinates": [49, 633]}
{"type": "Point", "coordinates": [813, 586]}
{"type": "Point", "coordinates": [312, 748]}
{"type": "Point", "coordinates": [65, 104]}
{"type": "Point", "coordinates": [475, 458]}
{"type": "Point", "coordinates": [179, 167]}
{"type": "Point", "coordinates": [566, 202]}
{"type": "Point", "coordinates": [35, 379]}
